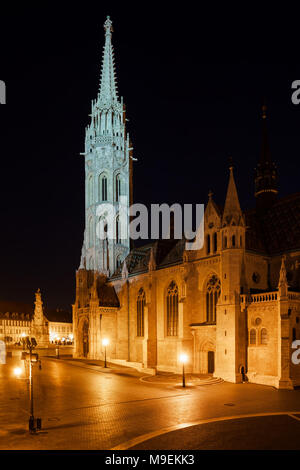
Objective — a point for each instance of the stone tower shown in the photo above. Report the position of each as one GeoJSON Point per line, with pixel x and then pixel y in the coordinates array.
{"type": "Point", "coordinates": [40, 328]}
{"type": "Point", "coordinates": [231, 327]}
{"type": "Point", "coordinates": [108, 174]}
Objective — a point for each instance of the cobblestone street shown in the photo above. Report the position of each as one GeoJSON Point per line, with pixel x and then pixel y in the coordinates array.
{"type": "Point", "coordinates": [84, 406]}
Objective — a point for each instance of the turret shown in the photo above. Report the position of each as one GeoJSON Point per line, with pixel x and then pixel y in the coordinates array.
{"type": "Point", "coordinates": [230, 341]}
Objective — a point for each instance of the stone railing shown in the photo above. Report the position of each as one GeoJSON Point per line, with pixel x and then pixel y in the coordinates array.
{"type": "Point", "coordinates": [267, 297]}
{"type": "Point", "coordinates": [294, 295]}
{"type": "Point", "coordinates": [255, 298]}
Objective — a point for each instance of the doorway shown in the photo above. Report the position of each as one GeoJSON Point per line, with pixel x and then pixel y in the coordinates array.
{"type": "Point", "coordinates": [85, 339]}
{"type": "Point", "coordinates": [210, 362]}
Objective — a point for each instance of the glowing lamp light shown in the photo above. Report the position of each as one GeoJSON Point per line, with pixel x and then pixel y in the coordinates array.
{"type": "Point", "coordinates": [71, 336]}
{"type": "Point", "coordinates": [17, 371]}
{"type": "Point", "coordinates": [105, 342]}
{"type": "Point", "coordinates": [23, 335]}
{"type": "Point", "coordinates": [183, 358]}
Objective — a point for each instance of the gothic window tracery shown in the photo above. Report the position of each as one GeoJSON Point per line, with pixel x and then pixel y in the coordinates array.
{"type": "Point", "coordinates": [263, 336]}
{"type": "Point", "coordinates": [208, 244]}
{"type": "Point", "coordinates": [140, 306]}
{"type": "Point", "coordinates": [213, 291]}
{"type": "Point", "coordinates": [118, 187]}
{"type": "Point", "coordinates": [172, 309]}
{"type": "Point", "coordinates": [252, 337]}
{"type": "Point", "coordinates": [215, 242]}
{"type": "Point", "coordinates": [103, 188]}
{"type": "Point", "coordinates": [118, 230]}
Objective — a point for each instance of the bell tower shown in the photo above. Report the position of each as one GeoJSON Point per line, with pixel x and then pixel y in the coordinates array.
{"type": "Point", "coordinates": [266, 177]}
{"type": "Point", "coordinates": [108, 174]}
{"type": "Point", "coordinates": [231, 327]}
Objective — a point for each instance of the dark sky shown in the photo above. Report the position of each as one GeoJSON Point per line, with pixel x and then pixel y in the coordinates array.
{"type": "Point", "coordinates": [193, 82]}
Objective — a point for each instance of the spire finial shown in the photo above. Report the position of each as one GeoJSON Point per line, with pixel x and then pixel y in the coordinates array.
{"type": "Point", "coordinates": [230, 163]}
{"type": "Point", "coordinates": [108, 25]}
{"type": "Point", "coordinates": [108, 87]}
{"type": "Point", "coordinates": [210, 194]}
{"type": "Point", "coordinates": [232, 208]}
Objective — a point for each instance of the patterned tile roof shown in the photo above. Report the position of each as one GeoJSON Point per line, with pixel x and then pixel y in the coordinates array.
{"type": "Point", "coordinates": [278, 230]}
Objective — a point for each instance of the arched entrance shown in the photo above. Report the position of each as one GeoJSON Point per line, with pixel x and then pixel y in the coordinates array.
{"type": "Point", "coordinates": [210, 362]}
{"type": "Point", "coordinates": [206, 356]}
{"type": "Point", "coordinates": [84, 346]}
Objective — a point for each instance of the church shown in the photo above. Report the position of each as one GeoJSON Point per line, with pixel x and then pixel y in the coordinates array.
{"type": "Point", "coordinates": [233, 306]}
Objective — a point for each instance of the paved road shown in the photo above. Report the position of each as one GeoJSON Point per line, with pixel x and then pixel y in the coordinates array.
{"type": "Point", "coordinates": [86, 408]}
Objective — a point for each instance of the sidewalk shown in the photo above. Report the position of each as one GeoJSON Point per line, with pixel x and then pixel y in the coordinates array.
{"type": "Point", "coordinates": [161, 378]}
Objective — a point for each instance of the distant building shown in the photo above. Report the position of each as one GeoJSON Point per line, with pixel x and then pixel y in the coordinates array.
{"type": "Point", "coordinates": [60, 326]}
{"type": "Point", "coordinates": [18, 320]}
{"type": "Point", "coordinates": [15, 321]}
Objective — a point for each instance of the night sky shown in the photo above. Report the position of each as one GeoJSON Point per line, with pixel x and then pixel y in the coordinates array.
{"type": "Point", "coordinates": [193, 82]}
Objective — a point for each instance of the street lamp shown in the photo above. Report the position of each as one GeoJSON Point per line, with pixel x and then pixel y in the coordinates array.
{"type": "Point", "coordinates": [17, 371]}
{"type": "Point", "coordinates": [183, 359]}
{"type": "Point", "coordinates": [105, 342]}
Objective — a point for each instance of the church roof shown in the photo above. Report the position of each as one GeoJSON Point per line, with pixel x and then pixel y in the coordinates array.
{"type": "Point", "coordinates": [278, 230]}
{"type": "Point", "coordinates": [165, 253]}
{"type": "Point", "coordinates": [281, 225]}
{"type": "Point", "coordinates": [107, 296]}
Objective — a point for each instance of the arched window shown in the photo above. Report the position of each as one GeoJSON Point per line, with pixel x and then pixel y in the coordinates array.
{"type": "Point", "coordinates": [225, 242]}
{"type": "Point", "coordinates": [215, 241]}
{"type": "Point", "coordinates": [233, 240]}
{"type": "Point", "coordinates": [208, 244]}
{"type": "Point", "coordinates": [213, 290]}
{"type": "Point", "coordinates": [91, 232]}
{"type": "Point", "coordinates": [140, 305]}
{"type": "Point", "coordinates": [118, 230]}
{"type": "Point", "coordinates": [118, 187]}
{"type": "Point", "coordinates": [172, 309]}
{"type": "Point", "coordinates": [90, 190]}
{"type": "Point", "coordinates": [252, 336]}
{"type": "Point", "coordinates": [103, 188]}
{"type": "Point", "coordinates": [264, 336]}
{"type": "Point", "coordinates": [241, 241]}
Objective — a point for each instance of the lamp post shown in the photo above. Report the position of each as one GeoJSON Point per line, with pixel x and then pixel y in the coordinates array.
{"type": "Point", "coordinates": [57, 349]}
{"type": "Point", "coordinates": [17, 371]}
{"type": "Point", "coordinates": [23, 335]}
{"type": "Point", "coordinates": [31, 344]}
{"type": "Point", "coordinates": [183, 359]}
{"type": "Point", "coordinates": [105, 343]}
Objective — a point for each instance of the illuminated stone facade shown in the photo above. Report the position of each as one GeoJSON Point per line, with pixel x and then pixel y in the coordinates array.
{"type": "Point", "coordinates": [108, 169]}
{"type": "Point", "coordinates": [233, 306]}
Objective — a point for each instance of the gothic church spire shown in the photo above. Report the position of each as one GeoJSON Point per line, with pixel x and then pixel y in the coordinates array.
{"type": "Point", "coordinates": [108, 87]}
{"type": "Point", "coordinates": [266, 172]}
{"type": "Point", "coordinates": [232, 209]}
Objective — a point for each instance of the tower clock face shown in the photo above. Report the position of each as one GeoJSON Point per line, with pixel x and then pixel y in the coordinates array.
{"type": "Point", "coordinates": [256, 277]}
